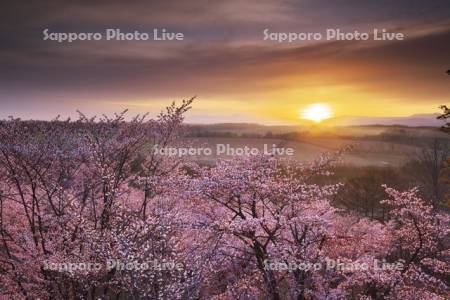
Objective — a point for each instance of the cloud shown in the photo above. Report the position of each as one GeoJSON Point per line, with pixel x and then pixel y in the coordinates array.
{"type": "Point", "coordinates": [223, 55]}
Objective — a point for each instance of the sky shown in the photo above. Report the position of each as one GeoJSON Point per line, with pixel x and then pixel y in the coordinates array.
{"type": "Point", "coordinates": [224, 60]}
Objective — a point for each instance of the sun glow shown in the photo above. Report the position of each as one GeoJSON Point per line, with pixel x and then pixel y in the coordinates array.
{"type": "Point", "coordinates": [316, 112]}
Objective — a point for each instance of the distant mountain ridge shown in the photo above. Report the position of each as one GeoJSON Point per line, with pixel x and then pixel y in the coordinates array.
{"type": "Point", "coordinates": [417, 120]}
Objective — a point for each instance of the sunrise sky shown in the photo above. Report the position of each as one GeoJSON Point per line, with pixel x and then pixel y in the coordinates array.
{"type": "Point", "coordinates": [223, 59]}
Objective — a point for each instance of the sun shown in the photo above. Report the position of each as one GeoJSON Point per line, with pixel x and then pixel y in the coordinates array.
{"type": "Point", "coordinates": [316, 112]}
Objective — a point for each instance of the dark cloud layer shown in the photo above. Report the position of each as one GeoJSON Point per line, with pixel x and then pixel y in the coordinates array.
{"type": "Point", "coordinates": [223, 53]}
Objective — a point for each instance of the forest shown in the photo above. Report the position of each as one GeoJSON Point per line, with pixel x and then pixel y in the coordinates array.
{"type": "Point", "coordinates": [87, 212]}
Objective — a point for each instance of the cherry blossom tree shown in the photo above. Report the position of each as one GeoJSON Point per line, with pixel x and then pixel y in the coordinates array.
{"type": "Point", "coordinates": [72, 192]}
{"type": "Point", "coordinates": [265, 210]}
